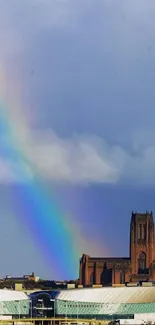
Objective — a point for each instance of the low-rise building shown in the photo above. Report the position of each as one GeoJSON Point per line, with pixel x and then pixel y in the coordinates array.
{"type": "Point", "coordinates": [14, 304]}
{"type": "Point", "coordinates": [98, 303]}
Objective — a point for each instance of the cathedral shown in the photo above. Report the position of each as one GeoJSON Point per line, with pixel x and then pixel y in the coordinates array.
{"type": "Point", "coordinates": [139, 266]}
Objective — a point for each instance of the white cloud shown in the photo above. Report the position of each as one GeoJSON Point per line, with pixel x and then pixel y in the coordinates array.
{"type": "Point", "coordinates": [87, 159]}
{"type": "Point", "coordinates": [76, 160]}
{"type": "Point", "coordinates": [79, 160]}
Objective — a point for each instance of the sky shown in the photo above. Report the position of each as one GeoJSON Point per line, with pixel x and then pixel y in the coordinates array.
{"type": "Point", "coordinates": [78, 80]}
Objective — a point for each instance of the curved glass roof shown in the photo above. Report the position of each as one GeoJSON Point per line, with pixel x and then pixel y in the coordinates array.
{"type": "Point", "coordinates": [109, 295]}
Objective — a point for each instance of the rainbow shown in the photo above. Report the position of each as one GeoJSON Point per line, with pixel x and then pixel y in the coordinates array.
{"type": "Point", "coordinates": [44, 220]}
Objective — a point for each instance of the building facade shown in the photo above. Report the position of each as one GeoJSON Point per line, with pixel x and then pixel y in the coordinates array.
{"type": "Point", "coordinates": [107, 303]}
{"type": "Point", "coordinates": [139, 266]}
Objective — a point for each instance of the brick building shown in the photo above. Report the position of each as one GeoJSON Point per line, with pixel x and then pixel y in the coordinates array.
{"type": "Point", "coordinates": [139, 266]}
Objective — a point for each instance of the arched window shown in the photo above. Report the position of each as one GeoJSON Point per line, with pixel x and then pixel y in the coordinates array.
{"type": "Point", "coordinates": [91, 278]}
{"type": "Point", "coordinates": [141, 262]}
{"type": "Point", "coordinates": [122, 277]}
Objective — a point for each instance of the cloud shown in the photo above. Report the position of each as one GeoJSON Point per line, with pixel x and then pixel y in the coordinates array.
{"type": "Point", "coordinates": [79, 160]}
{"type": "Point", "coordinates": [90, 159]}
{"type": "Point", "coordinates": [96, 72]}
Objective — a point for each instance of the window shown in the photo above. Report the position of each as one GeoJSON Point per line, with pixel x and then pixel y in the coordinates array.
{"type": "Point", "coordinates": [143, 231]}
{"type": "Point", "coordinates": [141, 262]}
{"type": "Point", "coordinates": [139, 231]}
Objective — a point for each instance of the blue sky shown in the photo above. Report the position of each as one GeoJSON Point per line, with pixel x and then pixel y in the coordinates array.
{"type": "Point", "coordinates": [85, 70]}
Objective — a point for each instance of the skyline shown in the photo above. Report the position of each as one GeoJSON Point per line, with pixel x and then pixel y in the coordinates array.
{"type": "Point", "coordinates": [78, 79]}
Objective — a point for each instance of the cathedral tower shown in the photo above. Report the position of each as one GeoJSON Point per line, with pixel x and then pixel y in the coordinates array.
{"type": "Point", "coordinates": [138, 267]}
{"type": "Point", "coordinates": [141, 242]}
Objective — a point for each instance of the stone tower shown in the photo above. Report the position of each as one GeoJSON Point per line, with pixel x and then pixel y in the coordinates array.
{"type": "Point", "coordinates": [141, 243]}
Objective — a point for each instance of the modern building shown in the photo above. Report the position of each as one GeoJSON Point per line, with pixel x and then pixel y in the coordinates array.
{"type": "Point", "coordinates": [14, 304]}
{"type": "Point", "coordinates": [43, 303]}
{"type": "Point", "coordinates": [139, 266]}
{"type": "Point", "coordinates": [100, 303]}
